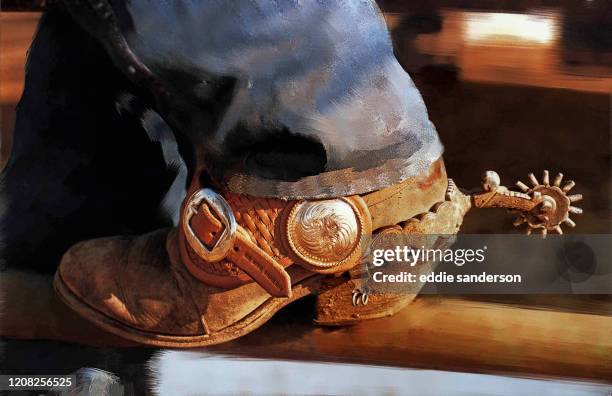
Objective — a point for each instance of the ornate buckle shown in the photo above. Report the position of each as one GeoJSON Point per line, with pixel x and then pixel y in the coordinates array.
{"type": "Point", "coordinates": [223, 211]}
{"type": "Point", "coordinates": [327, 233]}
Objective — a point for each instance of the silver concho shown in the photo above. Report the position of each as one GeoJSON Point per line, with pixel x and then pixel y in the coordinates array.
{"type": "Point", "coordinates": [324, 233]}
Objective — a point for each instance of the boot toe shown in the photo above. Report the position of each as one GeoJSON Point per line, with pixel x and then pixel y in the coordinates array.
{"type": "Point", "coordinates": [131, 281]}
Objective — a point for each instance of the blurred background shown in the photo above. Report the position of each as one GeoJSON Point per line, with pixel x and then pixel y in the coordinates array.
{"type": "Point", "coordinates": [513, 86]}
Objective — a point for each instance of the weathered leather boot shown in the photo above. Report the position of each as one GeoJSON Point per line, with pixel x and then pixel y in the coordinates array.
{"type": "Point", "coordinates": [235, 260]}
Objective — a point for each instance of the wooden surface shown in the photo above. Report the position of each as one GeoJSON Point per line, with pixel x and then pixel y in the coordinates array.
{"type": "Point", "coordinates": [545, 336]}
{"type": "Point", "coordinates": [454, 334]}
{"type": "Point", "coordinates": [16, 32]}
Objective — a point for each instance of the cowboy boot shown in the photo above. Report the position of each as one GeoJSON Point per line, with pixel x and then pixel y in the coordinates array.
{"type": "Point", "coordinates": [235, 260]}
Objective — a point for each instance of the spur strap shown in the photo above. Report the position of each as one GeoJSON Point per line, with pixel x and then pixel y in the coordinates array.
{"type": "Point", "coordinates": [227, 239]}
{"type": "Point", "coordinates": [243, 253]}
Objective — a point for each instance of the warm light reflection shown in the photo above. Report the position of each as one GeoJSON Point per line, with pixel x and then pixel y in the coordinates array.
{"type": "Point", "coordinates": [493, 26]}
{"type": "Point", "coordinates": [504, 48]}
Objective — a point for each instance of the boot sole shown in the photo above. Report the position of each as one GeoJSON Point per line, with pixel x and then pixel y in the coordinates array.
{"type": "Point", "coordinates": [334, 307]}
{"type": "Point", "coordinates": [252, 321]}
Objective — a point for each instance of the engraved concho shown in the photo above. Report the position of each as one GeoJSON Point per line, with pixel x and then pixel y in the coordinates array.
{"type": "Point", "coordinates": [324, 233]}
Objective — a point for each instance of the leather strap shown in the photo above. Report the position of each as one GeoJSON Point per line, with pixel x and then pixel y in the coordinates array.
{"type": "Point", "coordinates": [247, 256]}
{"type": "Point", "coordinates": [260, 251]}
{"type": "Point", "coordinates": [405, 200]}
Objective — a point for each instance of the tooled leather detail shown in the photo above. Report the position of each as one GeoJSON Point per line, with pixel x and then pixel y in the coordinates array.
{"type": "Point", "coordinates": [443, 218]}
{"type": "Point", "coordinates": [262, 225]}
{"type": "Point", "coordinates": [246, 256]}
{"type": "Point", "coordinates": [258, 217]}
{"type": "Point", "coordinates": [261, 267]}
{"type": "Point", "coordinates": [221, 268]}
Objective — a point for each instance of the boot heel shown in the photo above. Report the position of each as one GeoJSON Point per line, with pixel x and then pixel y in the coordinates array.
{"type": "Point", "coordinates": [340, 302]}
